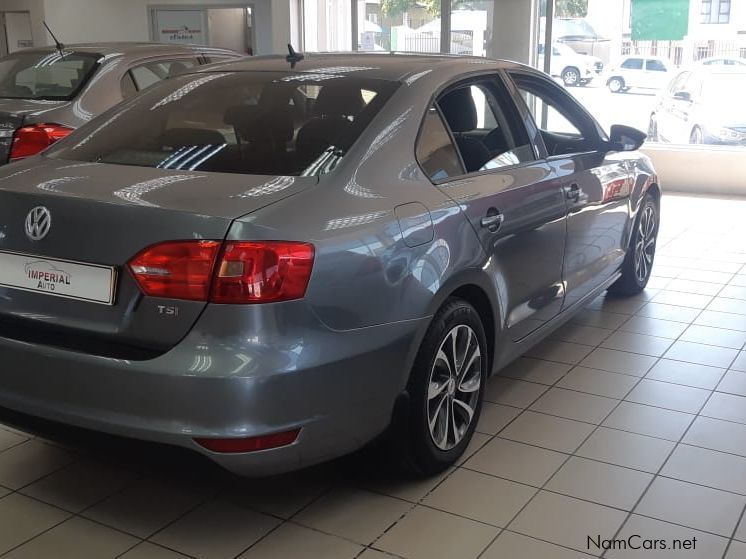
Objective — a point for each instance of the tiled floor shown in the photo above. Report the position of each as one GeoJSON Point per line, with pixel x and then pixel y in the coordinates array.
{"type": "Point", "coordinates": [630, 420]}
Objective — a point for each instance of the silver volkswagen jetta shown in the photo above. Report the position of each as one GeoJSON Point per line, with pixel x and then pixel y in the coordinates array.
{"type": "Point", "coordinates": [273, 262]}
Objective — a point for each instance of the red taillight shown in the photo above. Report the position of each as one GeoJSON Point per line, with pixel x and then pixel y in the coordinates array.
{"type": "Point", "coordinates": [262, 272]}
{"type": "Point", "coordinates": [32, 139]}
{"type": "Point", "coordinates": [176, 270]}
{"type": "Point", "coordinates": [246, 272]}
{"type": "Point", "coordinates": [250, 444]}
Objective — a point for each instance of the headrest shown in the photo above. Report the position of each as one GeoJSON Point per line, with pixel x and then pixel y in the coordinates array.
{"type": "Point", "coordinates": [459, 110]}
{"type": "Point", "coordinates": [338, 101]}
{"type": "Point", "coordinates": [255, 122]}
{"type": "Point", "coordinates": [181, 137]}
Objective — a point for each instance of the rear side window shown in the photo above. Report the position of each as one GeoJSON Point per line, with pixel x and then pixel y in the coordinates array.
{"type": "Point", "coordinates": [146, 75]}
{"type": "Point", "coordinates": [435, 151]}
{"type": "Point", "coordinates": [129, 89]}
{"type": "Point", "coordinates": [655, 66]}
{"type": "Point", "coordinates": [632, 64]}
{"type": "Point", "coordinates": [266, 123]}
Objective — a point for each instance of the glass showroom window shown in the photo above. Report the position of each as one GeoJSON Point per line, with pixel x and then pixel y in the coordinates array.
{"type": "Point", "coordinates": [327, 25]}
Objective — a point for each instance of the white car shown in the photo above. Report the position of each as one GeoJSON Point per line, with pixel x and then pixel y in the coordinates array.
{"type": "Point", "coordinates": [574, 69]}
{"type": "Point", "coordinates": [639, 72]}
{"type": "Point", "coordinates": [722, 61]}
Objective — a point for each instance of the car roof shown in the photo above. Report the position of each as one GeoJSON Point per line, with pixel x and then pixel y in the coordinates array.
{"type": "Point", "coordinates": [135, 49]}
{"type": "Point", "coordinates": [395, 66]}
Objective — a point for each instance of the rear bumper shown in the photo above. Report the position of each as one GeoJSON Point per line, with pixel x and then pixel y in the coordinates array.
{"type": "Point", "coordinates": [338, 387]}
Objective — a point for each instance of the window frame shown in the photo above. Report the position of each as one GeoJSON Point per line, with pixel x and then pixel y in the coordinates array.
{"type": "Point", "coordinates": [160, 60]}
{"type": "Point", "coordinates": [711, 12]}
{"type": "Point", "coordinates": [452, 140]}
{"type": "Point", "coordinates": [499, 80]}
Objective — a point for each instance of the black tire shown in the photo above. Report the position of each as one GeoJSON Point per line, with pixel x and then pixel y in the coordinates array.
{"type": "Point", "coordinates": [616, 84]}
{"type": "Point", "coordinates": [420, 453]}
{"type": "Point", "coordinates": [634, 277]}
{"type": "Point", "coordinates": [571, 76]}
{"type": "Point", "coordinates": [697, 137]}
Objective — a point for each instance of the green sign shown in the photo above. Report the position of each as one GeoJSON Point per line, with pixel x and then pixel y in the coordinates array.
{"type": "Point", "coordinates": [660, 20]}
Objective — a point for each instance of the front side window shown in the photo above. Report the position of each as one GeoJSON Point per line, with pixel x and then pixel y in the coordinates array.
{"type": "Point", "coordinates": [435, 151]}
{"type": "Point", "coordinates": [45, 75]}
{"type": "Point", "coordinates": [481, 128]}
{"type": "Point", "coordinates": [262, 123]}
{"type": "Point", "coordinates": [632, 64]}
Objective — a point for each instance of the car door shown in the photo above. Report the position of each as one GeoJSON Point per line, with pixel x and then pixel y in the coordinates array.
{"type": "Point", "coordinates": [656, 73]}
{"type": "Point", "coordinates": [632, 70]}
{"type": "Point", "coordinates": [665, 120]}
{"type": "Point", "coordinates": [511, 198]}
{"type": "Point", "coordinates": [683, 106]}
{"type": "Point", "coordinates": [596, 184]}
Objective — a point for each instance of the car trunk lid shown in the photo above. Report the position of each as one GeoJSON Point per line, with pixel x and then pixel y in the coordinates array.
{"type": "Point", "coordinates": [104, 215]}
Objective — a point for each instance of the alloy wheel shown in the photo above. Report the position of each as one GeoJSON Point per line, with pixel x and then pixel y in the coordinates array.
{"type": "Point", "coordinates": [645, 247]}
{"type": "Point", "coordinates": [615, 85]}
{"type": "Point", "coordinates": [571, 77]}
{"type": "Point", "coordinates": [454, 387]}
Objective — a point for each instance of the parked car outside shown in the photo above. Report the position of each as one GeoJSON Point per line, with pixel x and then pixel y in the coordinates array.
{"type": "Point", "coordinates": [722, 61]}
{"type": "Point", "coordinates": [276, 261]}
{"type": "Point", "coordinates": [574, 69]}
{"type": "Point", "coordinates": [46, 93]}
{"type": "Point", "coordinates": [649, 73]}
{"type": "Point", "coordinates": [703, 105]}
{"type": "Point", "coordinates": [578, 34]}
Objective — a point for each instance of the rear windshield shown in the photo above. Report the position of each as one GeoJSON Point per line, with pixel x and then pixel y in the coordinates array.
{"type": "Point", "coordinates": [268, 123]}
{"type": "Point", "coordinates": [45, 75]}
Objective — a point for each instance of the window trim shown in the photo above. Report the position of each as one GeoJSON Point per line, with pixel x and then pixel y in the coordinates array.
{"type": "Point", "coordinates": [497, 76]}
{"type": "Point", "coordinates": [450, 137]}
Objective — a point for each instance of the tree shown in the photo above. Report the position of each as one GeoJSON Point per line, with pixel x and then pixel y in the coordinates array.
{"type": "Point", "coordinates": [566, 8]}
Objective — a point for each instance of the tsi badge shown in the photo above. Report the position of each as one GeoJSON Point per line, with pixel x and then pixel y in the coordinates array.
{"type": "Point", "coordinates": [168, 311]}
{"type": "Point", "coordinates": [38, 223]}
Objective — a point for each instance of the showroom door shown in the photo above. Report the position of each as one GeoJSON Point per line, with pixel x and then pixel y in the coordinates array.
{"type": "Point", "coordinates": [511, 200]}
{"type": "Point", "coordinates": [596, 186]}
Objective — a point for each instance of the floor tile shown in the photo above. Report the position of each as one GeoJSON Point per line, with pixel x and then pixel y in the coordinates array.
{"type": "Point", "coordinates": [740, 363]}
{"type": "Point", "coordinates": [478, 440]}
{"type": "Point", "coordinates": [734, 292]}
{"type": "Point", "coordinates": [621, 305]}
{"type": "Point", "coordinates": [553, 433]}
{"type": "Point", "coordinates": [357, 515]}
{"type": "Point", "coordinates": [740, 534]}
{"type": "Point", "coordinates": [669, 396]}
{"type": "Point", "coordinates": [691, 286]}
{"type": "Point", "coordinates": [725, 320]}
{"type": "Point", "coordinates": [734, 382]}
{"type": "Point", "coordinates": [574, 405]}
{"type": "Point", "coordinates": [144, 507]}
{"type": "Point", "coordinates": [510, 545]}
{"type": "Point", "coordinates": [600, 383]}
{"type": "Point", "coordinates": [619, 362]}
{"type": "Point", "coordinates": [9, 439]}
{"type": "Point", "coordinates": [511, 392]}
{"type": "Point", "coordinates": [516, 461]}
{"type": "Point", "coordinates": [79, 485]}
{"type": "Point", "coordinates": [566, 521]}
{"type": "Point", "coordinates": [715, 434]}
{"type": "Point", "coordinates": [371, 553]}
{"type": "Point", "coordinates": [669, 312]}
{"type": "Point", "coordinates": [702, 508]}
{"type": "Point", "coordinates": [626, 449]}
{"type": "Point", "coordinates": [535, 370]}
{"type": "Point", "coordinates": [291, 541]}
{"type": "Point", "coordinates": [680, 299]}
{"type": "Point", "coordinates": [147, 550]}
{"type": "Point", "coordinates": [723, 304]}
{"type": "Point", "coordinates": [428, 534]}
{"type": "Point", "coordinates": [494, 417]}
{"type": "Point", "coordinates": [654, 327]}
{"type": "Point", "coordinates": [707, 467]}
{"type": "Point", "coordinates": [601, 483]}
{"type": "Point", "coordinates": [714, 336]}
{"type": "Point", "coordinates": [402, 487]}
{"type": "Point", "coordinates": [726, 406]}
{"type": "Point", "coordinates": [637, 343]}
{"type": "Point", "coordinates": [30, 461]}
{"type": "Point", "coordinates": [649, 420]}
{"type": "Point", "coordinates": [689, 374]}
{"type": "Point", "coordinates": [706, 547]}
{"type": "Point", "coordinates": [22, 518]}
{"type": "Point", "coordinates": [580, 334]}
{"type": "Point", "coordinates": [562, 352]}
{"type": "Point", "coordinates": [599, 319]}
{"type": "Point", "coordinates": [480, 497]}
{"type": "Point", "coordinates": [708, 276]}
{"type": "Point", "coordinates": [216, 530]}
{"type": "Point", "coordinates": [76, 538]}
{"type": "Point", "coordinates": [702, 354]}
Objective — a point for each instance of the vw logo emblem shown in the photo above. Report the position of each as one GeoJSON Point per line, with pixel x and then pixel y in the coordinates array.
{"type": "Point", "coordinates": [38, 223]}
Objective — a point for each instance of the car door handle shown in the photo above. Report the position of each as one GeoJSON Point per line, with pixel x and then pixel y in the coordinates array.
{"type": "Point", "coordinates": [572, 192]}
{"type": "Point", "coordinates": [493, 220]}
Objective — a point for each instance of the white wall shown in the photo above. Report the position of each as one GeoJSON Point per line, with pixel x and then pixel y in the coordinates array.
{"type": "Point", "coordinates": [514, 30]}
{"type": "Point", "coordinates": [227, 28]}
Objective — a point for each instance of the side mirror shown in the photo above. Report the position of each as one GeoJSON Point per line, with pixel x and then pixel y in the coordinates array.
{"type": "Point", "coordinates": [682, 96]}
{"type": "Point", "coordinates": [626, 138]}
